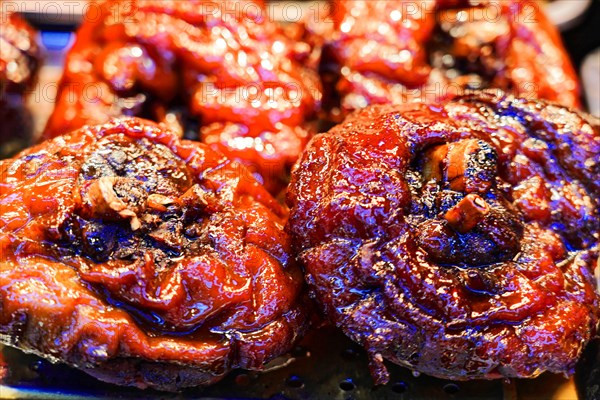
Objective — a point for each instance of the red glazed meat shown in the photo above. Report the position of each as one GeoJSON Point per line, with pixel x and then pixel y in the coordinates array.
{"type": "Point", "coordinates": [19, 61]}
{"type": "Point", "coordinates": [459, 240]}
{"type": "Point", "coordinates": [221, 72]}
{"type": "Point", "coordinates": [143, 259]}
{"type": "Point", "coordinates": [396, 51]}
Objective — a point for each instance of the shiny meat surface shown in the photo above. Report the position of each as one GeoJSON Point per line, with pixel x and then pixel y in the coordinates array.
{"type": "Point", "coordinates": [459, 240]}
{"type": "Point", "coordinates": [143, 259]}
{"type": "Point", "coordinates": [221, 72]}
{"type": "Point", "coordinates": [19, 61]}
{"type": "Point", "coordinates": [399, 51]}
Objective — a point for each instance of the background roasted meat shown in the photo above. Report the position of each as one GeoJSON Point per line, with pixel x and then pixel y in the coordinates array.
{"type": "Point", "coordinates": [221, 72]}
{"type": "Point", "coordinates": [397, 51]}
{"type": "Point", "coordinates": [19, 62]}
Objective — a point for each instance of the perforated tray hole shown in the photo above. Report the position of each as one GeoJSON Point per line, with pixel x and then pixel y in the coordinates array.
{"type": "Point", "coordinates": [295, 382]}
{"type": "Point", "coordinates": [400, 387]}
{"type": "Point", "coordinates": [451, 388]}
{"type": "Point", "coordinates": [347, 385]}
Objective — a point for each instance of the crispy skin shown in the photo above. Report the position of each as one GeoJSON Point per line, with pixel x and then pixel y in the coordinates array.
{"type": "Point", "coordinates": [397, 51]}
{"type": "Point", "coordinates": [459, 240]}
{"type": "Point", "coordinates": [19, 62]}
{"type": "Point", "coordinates": [143, 259]}
{"type": "Point", "coordinates": [222, 69]}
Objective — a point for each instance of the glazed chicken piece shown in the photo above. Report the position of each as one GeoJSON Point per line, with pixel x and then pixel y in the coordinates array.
{"type": "Point", "coordinates": [401, 51]}
{"type": "Point", "coordinates": [143, 259]}
{"type": "Point", "coordinates": [457, 239]}
{"type": "Point", "coordinates": [220, 72]}
{"type": "Point", "coordinates": [19, 62]}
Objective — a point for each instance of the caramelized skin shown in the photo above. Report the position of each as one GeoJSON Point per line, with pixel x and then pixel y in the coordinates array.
{"type": "Point", "coordinates": [143, 259]}
{"type": "Point", "coordinates": [19, 61]}
{"type": "Point", "coordinates": [399, 51]}
{"type": "Point", "coordinates": [459, 240]}
{"type": "Point", "coordinates": [220, 71]}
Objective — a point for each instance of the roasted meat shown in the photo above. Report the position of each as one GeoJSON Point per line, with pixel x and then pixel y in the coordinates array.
{"type": "Point", "coordinates": [457, 239]}
{"type": "Point", "coordinates": [19, 62]}
{"type": "Point", "coordinates": [143, 259]}
{"type": "Point", "coordinates": [221, 72]}
{"type": "Point", "coordinates": [395, 51]}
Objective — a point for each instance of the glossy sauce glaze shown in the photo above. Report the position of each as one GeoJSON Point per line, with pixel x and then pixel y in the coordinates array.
{"type": "Point", "coordinates": [143, 259]}
{"type": "Point", "coordinates": [395, 52]}
{"type": "Point", "coordinates": [459, 240]}
{"type": "Point", "coordinates": [19, 62]}
{"type": "Point", "coordinates": [221, 72]}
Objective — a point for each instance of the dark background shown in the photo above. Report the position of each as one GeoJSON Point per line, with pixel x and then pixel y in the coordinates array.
{"type": "Point", "coordinates": [585, 36]}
